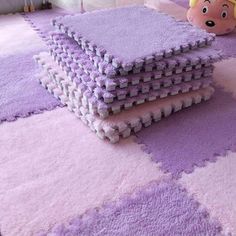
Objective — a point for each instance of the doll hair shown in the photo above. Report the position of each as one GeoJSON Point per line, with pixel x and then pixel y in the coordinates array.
{"type": "Point", "coordinates": [192, 3]}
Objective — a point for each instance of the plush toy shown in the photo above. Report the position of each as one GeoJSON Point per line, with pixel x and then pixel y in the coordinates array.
{"type": "Point", "coordinates": [215, 16]}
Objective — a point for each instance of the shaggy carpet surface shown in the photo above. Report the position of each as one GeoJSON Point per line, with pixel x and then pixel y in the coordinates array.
{"type": "Point", "coordinates": [177, 177]}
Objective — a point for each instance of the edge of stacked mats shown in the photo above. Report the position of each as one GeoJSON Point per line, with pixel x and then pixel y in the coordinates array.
{"type": "Point", "coordinates": [117, 88]}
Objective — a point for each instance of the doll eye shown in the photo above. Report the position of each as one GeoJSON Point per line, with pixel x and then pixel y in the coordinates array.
{"type": "Point", "coordinates": [205, 10]}
{"type": "Point", "coordinates": [224, 14]}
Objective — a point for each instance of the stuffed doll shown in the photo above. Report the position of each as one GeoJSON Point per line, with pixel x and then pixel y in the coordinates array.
{"type": "Point", "coordinates": [215, 16]}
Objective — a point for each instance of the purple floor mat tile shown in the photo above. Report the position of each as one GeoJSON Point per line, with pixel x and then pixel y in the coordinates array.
{"type": "Point", "coordinates": [41, 20]}
{"type": "Point", "coordinates": [96, 105]}
{"type": "Point", "coordinates": [193, 136]}
{"type": "Point", "coordinates": [227, 44]}
{"type": "Point", "coordinates": [158, 209]}
{"type": "Point", "coordinates": [98, 31]}
{"type": "Point", "coordinates": [20, 92]}
{"type": "Point", "coordinates": [171, 83]}
{"type": "Point", "coordinates": [92, 63]}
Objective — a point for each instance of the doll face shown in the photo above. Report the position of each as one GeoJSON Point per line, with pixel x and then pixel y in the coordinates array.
{"type": "Point", "coordinates": [215, 16]}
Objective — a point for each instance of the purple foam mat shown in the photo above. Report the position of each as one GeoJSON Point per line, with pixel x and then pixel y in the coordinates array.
{"type": "Point", "coordinates": [194, 136]}
{"type": "Point", "coordinates": [183, 60]}
{"type": "Point", "coordinates": [78, 76]}
{"type": "Point", "coordinates": [20, 93]}
{"type": "Point", "coordinates": [40, 20]}
{"type": "Point", "coordinates": [102, 109]}
{"type": "Point", "coordinates": [156, 209]}
{"type": "Point", "coordinates": [227, 44]}
{"type": "Point", "coordinates": [166, 67]}
{"type": "Point", "coordinates": [113, 35]}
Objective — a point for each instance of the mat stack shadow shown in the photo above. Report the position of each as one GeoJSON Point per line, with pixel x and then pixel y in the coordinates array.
{"type": "Point", "coordinates": [120, 70]}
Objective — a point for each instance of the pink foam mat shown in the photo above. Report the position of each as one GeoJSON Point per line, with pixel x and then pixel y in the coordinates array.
{"type": "Point", "coordinates": [54, 168]}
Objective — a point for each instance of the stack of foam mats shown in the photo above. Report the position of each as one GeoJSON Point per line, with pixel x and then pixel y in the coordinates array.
{"type": "Point", "coordinates": [120, 70]}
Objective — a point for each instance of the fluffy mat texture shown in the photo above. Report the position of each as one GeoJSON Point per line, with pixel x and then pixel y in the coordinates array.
{"type": "Point", "coordinates": [81, 95]}
{"type": "Point", "coordinates": [54, 168]}
{"type": "Point", "coordinates": [122, 124]}
{"type": "Point", "coordinates": [228, 83]}
{"type": "Point", "coordinates": [20, 94]}
{"type": "Point", "coordinates": [215, 187]}
{"type": "Point", "coordinates": [11, 28]}
{"type": "Point", "coordinates": [182, 149]}
{"type": "Point", "coordinates": [40, 21]}
{"type": "Point", "coordinates": [71, 54]}
{"type": "Point", "coordinates": [56, 175]}
{"type": "Point", "coordinates": [98, 32]}
{"type": "Point", "coordinates": [174, 63]}
{"type": "Point", "coordinates": [163, 209]}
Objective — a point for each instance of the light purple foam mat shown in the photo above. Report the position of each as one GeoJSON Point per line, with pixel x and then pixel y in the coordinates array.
{"type": "Point", "coordinates": [81, 94]}
{"type": "Point", "coordinates": [113, 35]}
{"type": "Point", "coordinates": [73, 56]}
{"type": "Point", "coordinates": [20, 93]}
{"type": "Point", "coordinates": [168, 65]}
{"type": "Point", "coordinates": [157, 209]}
{"type": "Point", "coordinates": [227, 44]}
{"type": "Point", "coordinates": [45, 196]}
{"type": "Point", "coordinates": [40, 20]}
{"type": "Point", "coordinates": [194, 136]}
{"type": "Point", "coordinates": [149, 82]}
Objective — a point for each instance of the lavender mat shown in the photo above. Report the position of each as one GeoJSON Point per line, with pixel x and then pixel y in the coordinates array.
{"type": "Point", "coordinates": [20, 93]}
{"type": "Point", "coordinates": [163, 209]}
{"type": "Point", "coordinates": [40, 21]}
{"type": "Point", "coordinates": [92, 63]}
{"type": "Point", "coordinates": [193, 136]}
{"type": "Point", "coordinates": [170, 83]}
{"type": "Point", "coordinates": [227, 44]}
{"type": "Point", "coordinates": [97, 105]}
{"type": "Point", "coordinates": [99, 31]}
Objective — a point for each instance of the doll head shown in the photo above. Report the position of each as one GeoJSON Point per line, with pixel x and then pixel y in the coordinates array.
{"type": "Point", "coordinates": [215, 16]}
